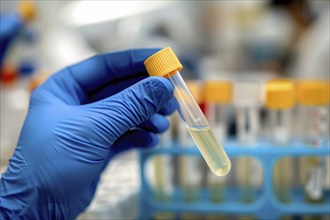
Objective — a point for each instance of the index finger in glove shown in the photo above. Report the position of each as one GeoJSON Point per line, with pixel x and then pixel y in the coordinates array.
{"type": "Point", "coordinates": [81, 80]}
{"type": "Point", "coordinates": [104, 68]}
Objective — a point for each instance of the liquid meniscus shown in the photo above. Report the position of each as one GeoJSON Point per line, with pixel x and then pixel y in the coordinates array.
{"type": "Point", "coordinates": [210, 148]}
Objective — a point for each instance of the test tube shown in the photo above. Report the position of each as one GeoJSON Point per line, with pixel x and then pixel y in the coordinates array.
{"type": "Point", "coordinates": [163, 174]}
{"type": "Point", "coordinates": [190, 165]}
{"type": "Point", "coordinates": [246, 99]}
{"type": "Point", "coordinates": [313, 99]}
{"type": "Point", "coordinates": [163, 170]}
{"type": "Point", "coordinates": [165, 63]}
{"type": "Point", "coordinates": [218, 95]}
{"type": "Point", "coordinates": [279, 100]}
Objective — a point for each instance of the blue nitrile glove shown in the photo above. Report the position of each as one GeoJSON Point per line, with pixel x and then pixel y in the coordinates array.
{"type": "Point", "coordinates": [78, 120]}
{"type": "Point", "coordinates": [10, 25]}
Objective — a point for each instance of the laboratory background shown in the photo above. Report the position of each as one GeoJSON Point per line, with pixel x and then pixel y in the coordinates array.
{"type": "Point", "coordinates": [259, 70]}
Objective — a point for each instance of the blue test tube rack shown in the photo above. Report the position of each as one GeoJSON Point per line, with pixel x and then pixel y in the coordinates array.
{"type": "Point", "coordinates": [266, 206]}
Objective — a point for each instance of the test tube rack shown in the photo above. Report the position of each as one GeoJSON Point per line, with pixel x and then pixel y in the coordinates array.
{"type": "Point", "coordinates": [266, 206]}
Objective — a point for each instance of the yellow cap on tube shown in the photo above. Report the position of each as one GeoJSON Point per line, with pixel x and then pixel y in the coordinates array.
{"type": "Point", "coordinates": [218, 92]}
{"type": "Point", "coordinates": [28, 10]}
{"type": "Point", "coordinates": [312, 92]}
{"type": "Point", "coordinates": [280, 94]}
{"type": "Point", "coordinates": [163, 63]}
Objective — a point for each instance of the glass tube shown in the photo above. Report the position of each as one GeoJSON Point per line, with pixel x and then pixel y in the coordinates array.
{"type": "Point", "coordinates": [314, 166]}
{"type": "Point", "coordinates": [189, 168]}
{"type": "Point", "coordinates": [280, 100]}
{"type": "Point", "coordinates": [166, 64]}
{"type": "Point", "coordinates": [190, 165]}
{"type": "Point", "coordinates": [246, 98]}
{"type": "Point", "coordinates": [217, 115]}
{"type": "Point", "coordinates": [247, 125]}
{"type": "Point", "coordinates": [199, 128]}
{"type": "Point", "coordinates": [163, 171]}
{"type": "Point", "coordinates": [164, 176]}
{"type": "Point", "coordinates": [218, 95]}
{"type": "Point", "coordinates": [313, 97]}
{"type": "Point", "coordinates": [280, 124]}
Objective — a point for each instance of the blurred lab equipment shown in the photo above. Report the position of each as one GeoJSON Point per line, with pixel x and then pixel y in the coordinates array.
{"type": "Point", "coordinates": [12, 23]}
{"type": "Point", "coordinates": [246, 98]}
{"type": "Point", "coordinates": [312, 97]}
{"type": "Point", "coordinates": [163, 175]}
{"type": "Point", "coordinates": [218, 95]}
{"type": "Point", "coordinates": [17, 66]}
{"type": "Point", "coordinates": [190, 169]}
{"type": "Point", "coordinates": [280, 99]}
{"type": "Point", "coordinates": [277, 195]}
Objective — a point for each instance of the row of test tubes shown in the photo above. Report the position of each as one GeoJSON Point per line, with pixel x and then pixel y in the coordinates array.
{"type": "Point", "coordinates": [292, 111]}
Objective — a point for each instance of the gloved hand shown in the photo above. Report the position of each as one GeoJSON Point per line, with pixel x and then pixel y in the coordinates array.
{"type": "Point", "coordinates": [78, 120]}
{"type": "Point", "coordinates": [10, 25]}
